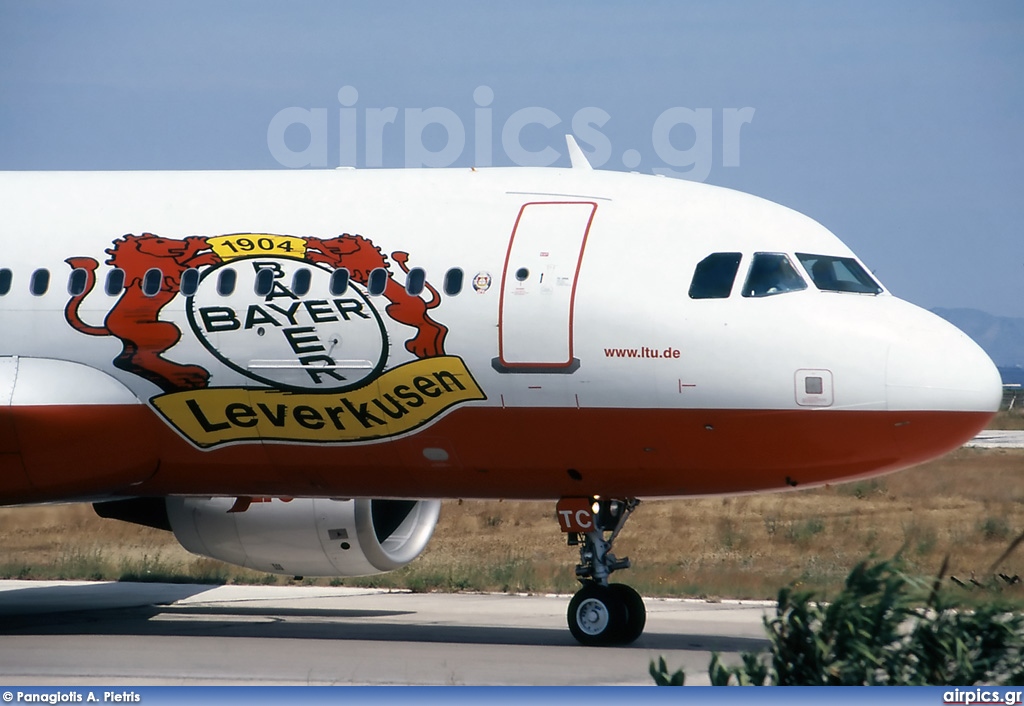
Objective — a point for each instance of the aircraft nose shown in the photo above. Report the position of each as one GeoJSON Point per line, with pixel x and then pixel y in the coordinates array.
{"type": "Point", "coordinates": [933, 366]}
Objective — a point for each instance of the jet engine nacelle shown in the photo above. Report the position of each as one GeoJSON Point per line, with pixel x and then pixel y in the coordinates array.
{"type": "Point", "coordinates": [306, 537]}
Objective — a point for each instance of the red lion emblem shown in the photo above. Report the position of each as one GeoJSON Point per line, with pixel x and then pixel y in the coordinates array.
{"type": "Point", "coordinates": [361, 257]}
{"type": "Point", "coordinates": [135, 317]}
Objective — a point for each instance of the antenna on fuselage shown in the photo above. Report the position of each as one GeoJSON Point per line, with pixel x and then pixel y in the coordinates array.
{"type": "Point", "coordinates": [577, 157]}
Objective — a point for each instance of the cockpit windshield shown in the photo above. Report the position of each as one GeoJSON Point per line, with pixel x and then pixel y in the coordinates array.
{"type": "Point", "coordinates": [772, 273]}
{"type": "Point", "coordinates": [839, 274]}
{"type": "Point", "coordinates": [714, 275]}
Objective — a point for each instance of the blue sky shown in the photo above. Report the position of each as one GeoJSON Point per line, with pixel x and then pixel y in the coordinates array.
{"type": "Point", "coordinates": [897, 125]}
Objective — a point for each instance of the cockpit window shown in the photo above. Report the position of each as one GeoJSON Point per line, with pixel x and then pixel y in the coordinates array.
{"type": "Point", "coordinates": [839, 274]}
{"type": "Point", "coordinates": [772, 273]}
{"type": "Point", "coordinates": [714, 275]}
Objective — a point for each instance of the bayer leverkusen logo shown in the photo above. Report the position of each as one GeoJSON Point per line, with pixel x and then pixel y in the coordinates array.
{"type": "Point", "coordinates": [268, 307]}
{"type": "Point", "coordinates": [288, 339]}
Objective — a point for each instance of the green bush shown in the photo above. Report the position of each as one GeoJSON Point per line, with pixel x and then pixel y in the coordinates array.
{"type": "Point", "coordinates": [884, 628]}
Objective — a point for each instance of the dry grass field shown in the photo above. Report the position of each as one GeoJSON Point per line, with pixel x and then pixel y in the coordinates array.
{"type": "Point", "coordinates": [969, 505]}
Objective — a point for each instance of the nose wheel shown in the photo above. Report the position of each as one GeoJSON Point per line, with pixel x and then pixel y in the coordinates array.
{"type": "Point", "coordinates": [606, 615]}
{"type": "Point", "coordinates": [600, 613]}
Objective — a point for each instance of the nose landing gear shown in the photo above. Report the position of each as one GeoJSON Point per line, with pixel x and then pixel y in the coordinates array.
{"type": "Point", "coordinates": [600, 613]}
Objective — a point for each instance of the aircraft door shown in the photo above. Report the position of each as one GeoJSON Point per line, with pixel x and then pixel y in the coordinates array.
{"type": "Point", "coordinates": [538, 287]}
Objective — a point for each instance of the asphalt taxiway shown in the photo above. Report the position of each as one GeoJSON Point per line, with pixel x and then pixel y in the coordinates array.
{"type": "Point", "coordinates": [76, 633]}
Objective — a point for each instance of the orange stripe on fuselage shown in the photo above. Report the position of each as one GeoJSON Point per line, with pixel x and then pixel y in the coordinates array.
{"type": "Point", "coordinates": [486, 452]}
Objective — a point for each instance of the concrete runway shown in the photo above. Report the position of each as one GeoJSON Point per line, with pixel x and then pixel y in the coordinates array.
{"type": "Point", "coordinates": [997, 439]}
{"type": "Point", "coordinates": [76, 633]}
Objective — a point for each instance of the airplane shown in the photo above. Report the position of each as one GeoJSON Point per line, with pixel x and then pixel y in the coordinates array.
{"type": "Point", "coordinates": [290, 369]}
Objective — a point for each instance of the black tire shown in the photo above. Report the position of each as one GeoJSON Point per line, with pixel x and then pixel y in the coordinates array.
{"type": "Point", "coordinates": [636, 612]}
{"type": "Point", "coordinates": [597, 615]}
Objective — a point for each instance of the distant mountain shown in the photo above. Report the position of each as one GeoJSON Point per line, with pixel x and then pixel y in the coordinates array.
{"type": "Point", "coordinates": [1002, 338]}
{"type": "Point", "coordinates": [1012, 376]}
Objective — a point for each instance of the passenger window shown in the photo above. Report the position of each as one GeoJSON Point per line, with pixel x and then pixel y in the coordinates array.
{"type": "Point", "coordinates": [77, 281]}
{"type": "Point", "coordinates": [226, 282]}
{"type": "Point", "coordinates": [39, 283]}
{"type": "Point", "coordinates": [415, 281]}
{"type": "Point", "coordinates": [378, 282]}
{"type": "Point", "coordinates": [339, 281]}
{"type": "Point", "coordinates": [189, 282]}
{"type": "Point", "coordinates": [772, 273]}
{"type": "Point", "coordinates": [152, 281]}
{"type": "Point", "coordinates": [453, 281]}
{"type": "Point", "coordinates": [115, 282]}
{"type": "Point", "coordinates": [714, 276]}
{"type": "Point", "coordinates": [838, 274]}
{"type": "Point", "coordinates": [5, 281]}
{"type": "Point", "coordinates": [264, 282]}
{"type": "Point", "coordinates": [301, 281]}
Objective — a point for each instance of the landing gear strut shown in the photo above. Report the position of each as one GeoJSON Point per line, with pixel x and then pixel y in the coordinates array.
{"type": "Point", "coordinates": [600, 613]}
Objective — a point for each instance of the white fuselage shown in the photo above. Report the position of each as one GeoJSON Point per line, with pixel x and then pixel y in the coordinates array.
{"type": "Point", "coordinates": [575, 319]}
